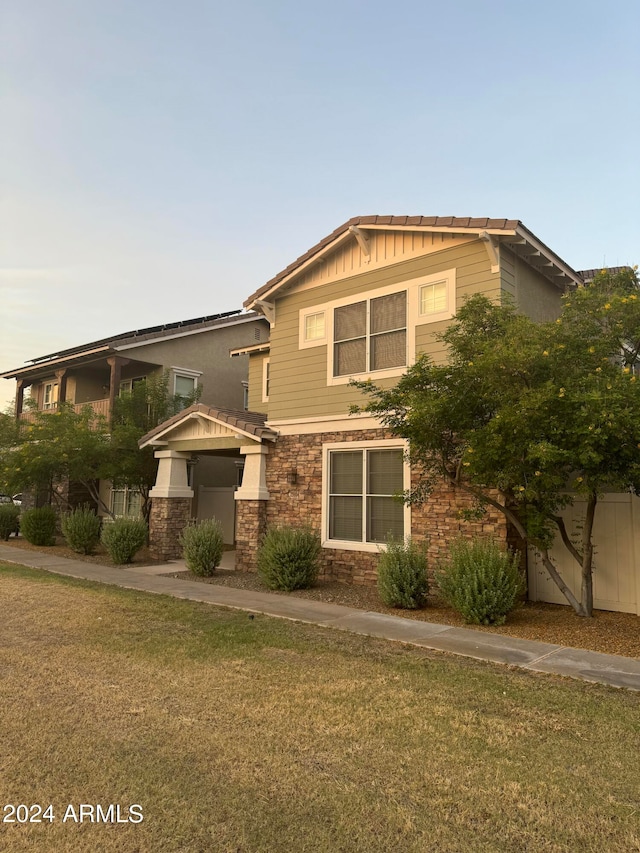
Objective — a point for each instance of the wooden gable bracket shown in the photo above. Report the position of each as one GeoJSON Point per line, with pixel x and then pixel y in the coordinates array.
{"type": "Point", "coordinates": [493, 250]}
{"type": "Point", "coordinates": [268, 309]}
{"type": "Point", "coordinates": [363, 241]}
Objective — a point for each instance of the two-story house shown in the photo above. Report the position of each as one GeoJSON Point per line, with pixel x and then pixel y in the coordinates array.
{"type": "Point", "coordinates": [194, 352]}
{"type": "Point", "coordinates": [362, 302]}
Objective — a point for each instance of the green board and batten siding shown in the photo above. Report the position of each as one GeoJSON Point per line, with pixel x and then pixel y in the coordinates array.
{"type": "Point", "coordinates": [299, 377]}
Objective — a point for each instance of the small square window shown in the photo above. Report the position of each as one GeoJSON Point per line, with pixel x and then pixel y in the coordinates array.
{"type": "Point", "coordinates": [185, 386]}
{"type": "Point", "coordinates": [433, 298]}
{"type": "Point", "coordinates": [314, 327]}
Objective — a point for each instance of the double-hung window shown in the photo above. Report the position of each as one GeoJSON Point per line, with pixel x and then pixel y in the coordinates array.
{"type": "Point", "coordinates": [127, 385]}
{"type": "Point", "coordinates": [376, 333]}
{"type": "Point", "coordinates": [126, 502]}
{"type": "Point", "coordinates": [370, 335]}
{"type": "Point", "coordinates": [50, 398]}
{"type": "Point", "coordinates": [362, 490]}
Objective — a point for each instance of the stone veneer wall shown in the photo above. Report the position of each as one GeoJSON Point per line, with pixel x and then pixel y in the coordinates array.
{"type": "Point", "coordinates": [250, 527]}
{"type": "Point", "coordinates": [301, 504]}
{"type": "Point", "coordinates": [168, 518]}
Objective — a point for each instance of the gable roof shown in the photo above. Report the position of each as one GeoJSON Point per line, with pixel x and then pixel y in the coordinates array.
{"type": "Point", "coordinates": [252, 424]}
{"type": "Point", "coordinates": [140, 337]}
{"type": "Point", "coordinates": [511, 228]}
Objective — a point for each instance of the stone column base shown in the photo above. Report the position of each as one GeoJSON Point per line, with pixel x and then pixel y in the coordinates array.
{"type": "Point", "coordinates": [251, 525]}
{"type": "Point", "coordinates": [169, 517]}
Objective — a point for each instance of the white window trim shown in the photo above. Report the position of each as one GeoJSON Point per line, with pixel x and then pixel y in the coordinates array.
{"type": "Point", "coordinates": [130, 382]}
{"type": "Point", "coordinates": [53, 397]}
{"type": "Point", "coordinates": [437, 316]}
{"type": "Point", "coordinates": [391, 444]}
{"type": "Point", "coordinates": [187, 373]}
{"type": "Point", "coordinates": [127, 491]}
{"type": "Point", "coordinates": [266, 379]}
{"type": "Point", "coordinates": [414, 319]}
{"type": "Point", "coordinates": [303, 343]}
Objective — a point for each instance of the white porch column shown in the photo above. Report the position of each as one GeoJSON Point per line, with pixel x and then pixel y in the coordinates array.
{"type": "Point", "coordinates": [171, 479]}
{"type": "Point", "coordinates": [254, 480]}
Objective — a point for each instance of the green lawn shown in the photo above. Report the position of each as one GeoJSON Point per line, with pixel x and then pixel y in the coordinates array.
{"type": "Point", "coordinates": [239, 734]}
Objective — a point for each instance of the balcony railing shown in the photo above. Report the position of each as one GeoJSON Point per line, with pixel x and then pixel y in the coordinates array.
{"type": "Point", "coordinates": [100, 407]}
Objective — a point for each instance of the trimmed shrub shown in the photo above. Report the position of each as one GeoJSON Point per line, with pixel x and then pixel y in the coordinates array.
{"type": "Point", "coordinates": [38, 526]}
{"type": "Point", "coordinates": [9, 523]}
{"type": "Point", "coordinates": [481, 581]}
{"type": "Point", "coordinates": [202, 546]}
{"type": "Point", "coordinates": [123, 538]}
{"type": "Point", "coordinates": [288, 558]}
{"type": "Point", "coordinates": [81, 529]}
{"type": "Point", "coordinates": [402, 575]}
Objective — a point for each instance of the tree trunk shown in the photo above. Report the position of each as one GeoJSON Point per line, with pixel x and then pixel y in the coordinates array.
{"type": "Point", "coordinates": [556, 577]}
{"type": "Point", "coordinates": [587, 555]}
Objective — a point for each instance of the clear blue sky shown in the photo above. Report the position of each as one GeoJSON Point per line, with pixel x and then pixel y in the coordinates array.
{"type": "Point", "coordinates": [162, 160]}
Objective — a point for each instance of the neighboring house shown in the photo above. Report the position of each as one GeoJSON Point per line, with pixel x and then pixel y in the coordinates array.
{"type": "Point", "coordinates": [195, 352]}
{"type": "Point", "coordinates": [360, 303]}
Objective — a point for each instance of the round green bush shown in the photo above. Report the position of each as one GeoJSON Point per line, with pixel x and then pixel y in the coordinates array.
{"type": "Point", "coordinates": [481, 581]}
{"type": "Point", "coordinates": [38, 526]}
{"type": "Point", "coordinates": [202, 546]}
{"type": "Point", "coordinates": [81, 529]}
{"type": "Point", "coordinates": [123, 538]}
{"type": "Point", "coordinates": [402, 575]}
{"type": "Point", "coordinates": [288, 558]}
{"type": "Point", "coordinates": [9, 515]}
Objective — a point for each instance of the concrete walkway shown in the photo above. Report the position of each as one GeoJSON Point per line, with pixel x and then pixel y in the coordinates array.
{"type": "Point", "coordinates": [614, 670]}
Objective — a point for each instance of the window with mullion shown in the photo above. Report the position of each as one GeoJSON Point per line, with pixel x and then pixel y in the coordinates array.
{"type": "Point", "coordinates": [370, 335]}
{"type": "Point", "coordinates": [350, 339]}
{"type": "Point", "coordinates": [362, 489]}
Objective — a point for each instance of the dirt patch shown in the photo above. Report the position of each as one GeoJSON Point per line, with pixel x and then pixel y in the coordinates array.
{"type": "Point", "coordinates": [607, 631]}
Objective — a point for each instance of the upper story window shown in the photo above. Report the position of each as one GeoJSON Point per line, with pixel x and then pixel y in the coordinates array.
{"type": "Point", "coordinates": [436, 301]}
{"type": "Point", "coordinates": [127, 385]}
{"type": "Point", "coordinates": [433, 298]}
{"type": "Point", "coordinates": [314, 329]}
{"type": "Point", "coordinates": [184, 386]}
{"type": "Point", "coordinates": [185, 383]}
{"type": "Point", "coordinates": [374, 333]}
{"type": "Point", "coordinates": [50, 396]}
{"type": "Point", "coordinates": [266, 380]}
{"type": "Point", "coordinates": [370, 335]}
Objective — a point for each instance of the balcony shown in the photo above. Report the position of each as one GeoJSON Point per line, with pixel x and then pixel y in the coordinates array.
{"type": "Point", "coordinates": [100, 407]}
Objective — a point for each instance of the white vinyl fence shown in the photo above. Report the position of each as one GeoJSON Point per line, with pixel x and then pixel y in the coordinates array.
{"type": "Point", "coordinates": [616, 576]}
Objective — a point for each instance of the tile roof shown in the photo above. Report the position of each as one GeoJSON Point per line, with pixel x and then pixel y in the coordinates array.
{"type": "Point", "coordinates": [589, 275]}
{"type": "Point", "coordinates": [252, 423]}
{"type": "Point", "coordinates": [463, 222]}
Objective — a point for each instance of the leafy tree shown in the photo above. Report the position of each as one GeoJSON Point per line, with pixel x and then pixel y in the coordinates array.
{"type": "Point", "coordinates": [136, 413]}
{"type": "Point", "coordinates": [53, 448]}
{"type": "Point", "coordinates": [70, 447]}
{"type": "Point", "coordinates": [524, 416]}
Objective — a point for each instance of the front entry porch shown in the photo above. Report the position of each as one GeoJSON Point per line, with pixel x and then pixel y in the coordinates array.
{"type": "Point", "coordinates": [203, 433]}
